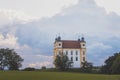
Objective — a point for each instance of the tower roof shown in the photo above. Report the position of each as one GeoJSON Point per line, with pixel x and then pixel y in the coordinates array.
{"type": "Point", "coordinates": [70, 44]}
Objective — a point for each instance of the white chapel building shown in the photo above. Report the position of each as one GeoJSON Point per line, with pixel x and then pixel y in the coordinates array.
{"type": "Point", "coordinates": [74, 49]}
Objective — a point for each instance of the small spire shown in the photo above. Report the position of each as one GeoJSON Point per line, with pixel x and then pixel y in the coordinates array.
{"type": "Point", "coordinates": [79, 38]}
{"type": "Point", "coordinates": [82, 39]}
{"type": "Point", "coordinates": [56, 38]}
{"type": "Point", "coordinates": [59, 38]}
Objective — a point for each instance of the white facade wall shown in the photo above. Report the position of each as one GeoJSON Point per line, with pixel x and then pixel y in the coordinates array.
{"type": "Point", "coordinates": [74, 55]}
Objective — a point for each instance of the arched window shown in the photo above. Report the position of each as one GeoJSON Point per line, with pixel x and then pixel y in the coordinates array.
{"type": "Point", "coordinates": [71, 52]}
{"type": "Point", "coordinates": [83, 58]}
{"type": "Point", "coordinates": [71, 58]}
{"type": "Point", "coordinates": [66, 52]}
{"type": "Point", "coordinates": [83, 52]}
{"type": "Point", "coordinates": [59, 53]}
{"type": "Point", "coordinates": [76, 58]}
{"type": "Point", "coordinates": [76, 52]}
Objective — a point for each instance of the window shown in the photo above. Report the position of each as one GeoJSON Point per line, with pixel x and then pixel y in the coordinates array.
{"type": "Point", "coordinates": [71, 52]}
{"type": "Point", "coordinates": [66, 52]}
{"type": "Point", "coordinates": [83, 52]}
{"type": "Point", "coordinates": [59, 53]}
{"type": "Point", "coordinates": [76, 52]}
{"type": "Point", "coordinates": [59, 44]}
{"type": "Point", "coordinates": [83, 58]}
{"type": "Point", "coordinates": [76, 58]}
{"type": "Point", "coordinates": [83, 44]}
{"type": "Point", "coordinates": [71, 58]}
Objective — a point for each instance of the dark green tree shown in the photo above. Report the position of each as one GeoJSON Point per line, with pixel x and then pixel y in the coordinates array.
{"type": "Point", "coordinates": [115, 68]}
{"type": "Point", "coordinates": [86, 66]}
{"type": "Point", "coordinates": [9, 59]}
{"type": "Point", "coordinates": [29, 69]}
{"type": "Point", "coordinates": [112, 64]}
{"type": "Point", "coordinates": [62, 62]}
{"type": "Point", "coordinates": [43, 68]}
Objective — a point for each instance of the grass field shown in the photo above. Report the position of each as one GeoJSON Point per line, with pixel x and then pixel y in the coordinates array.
{"type": "Point", "coordinates": [36, 75]}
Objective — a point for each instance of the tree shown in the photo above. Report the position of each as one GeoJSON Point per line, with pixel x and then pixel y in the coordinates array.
{"type": "Point", "coordinates": [115, 68]}
{"type": "Point", "coordinates": [43, 67]}
{"type": "Point", "coordinates": [86, 66]}
{"type": "Point", "coordinates": [112, 64]}
{"type": "Point", "coordinates": [62, 62]}
{"type": "Point", "coordinates": [9, 59]}
{"type": "Point", "coordinates": [29, 69]}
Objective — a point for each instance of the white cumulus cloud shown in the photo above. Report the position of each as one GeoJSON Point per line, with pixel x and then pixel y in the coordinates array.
{"type": "Point", "coordinates": [9, 17]}
{"type": "Point", "coordinates": [99, 46]}
{"type": "Point", "coordinates": [8, 41]}
{"type": "Point", "coordinates": [35, 39]}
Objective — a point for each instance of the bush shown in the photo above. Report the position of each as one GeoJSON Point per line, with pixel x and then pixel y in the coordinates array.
{"type": "Point", "coordinates": [43, 68]}
{"type": "Point", "coordinates": [29, 69]}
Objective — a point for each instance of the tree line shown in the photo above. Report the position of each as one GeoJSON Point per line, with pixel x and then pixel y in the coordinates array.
{"type": "Point", "coordinates": [111, 66]}
{"type": "Point", "coordinates": [10, 60]}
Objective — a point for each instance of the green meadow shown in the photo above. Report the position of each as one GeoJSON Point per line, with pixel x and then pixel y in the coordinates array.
{"type": "Point", "coordinates": [38, 75]}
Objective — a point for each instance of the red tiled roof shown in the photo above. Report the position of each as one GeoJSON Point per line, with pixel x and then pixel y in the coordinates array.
{"type": "Point", "coordinates": [70, 44]}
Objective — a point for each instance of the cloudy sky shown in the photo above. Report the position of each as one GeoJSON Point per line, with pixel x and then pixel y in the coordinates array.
{"type": "Point", "coordinates": [30, 27]}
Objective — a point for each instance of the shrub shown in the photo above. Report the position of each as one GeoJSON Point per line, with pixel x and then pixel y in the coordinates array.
{"type": "Point", "coordinates": [29, 69]}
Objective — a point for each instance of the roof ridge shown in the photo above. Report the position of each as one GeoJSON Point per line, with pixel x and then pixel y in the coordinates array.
{"type": "Point", "coordinates": [71, 44]}
{"type": "Point", "coordinates": [69, 40]}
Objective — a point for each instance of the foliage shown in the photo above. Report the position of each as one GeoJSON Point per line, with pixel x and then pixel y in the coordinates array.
{"type": "Point", "coordinates": [9, 59]}
{"type": "Point", "coordinates": [112, 64]}
{"type": "Point", "coordinates": [62, 62]}
{"type": "Point", "coordinates": [96, 69]}
{"type": "Point", "coordinates": [115, 68]}
{"type": "Point", "coordinates": [39, 75]}
{"type": "Point", "coordinates": [43, 68]}
{"type": "Point", "coordinates": [29, 69]}
{"type": "Point", "coordinates": [86, 67]}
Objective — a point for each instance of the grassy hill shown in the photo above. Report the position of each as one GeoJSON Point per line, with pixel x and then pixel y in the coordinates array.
{"type": "Point", "coordinates": [36, 75]}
